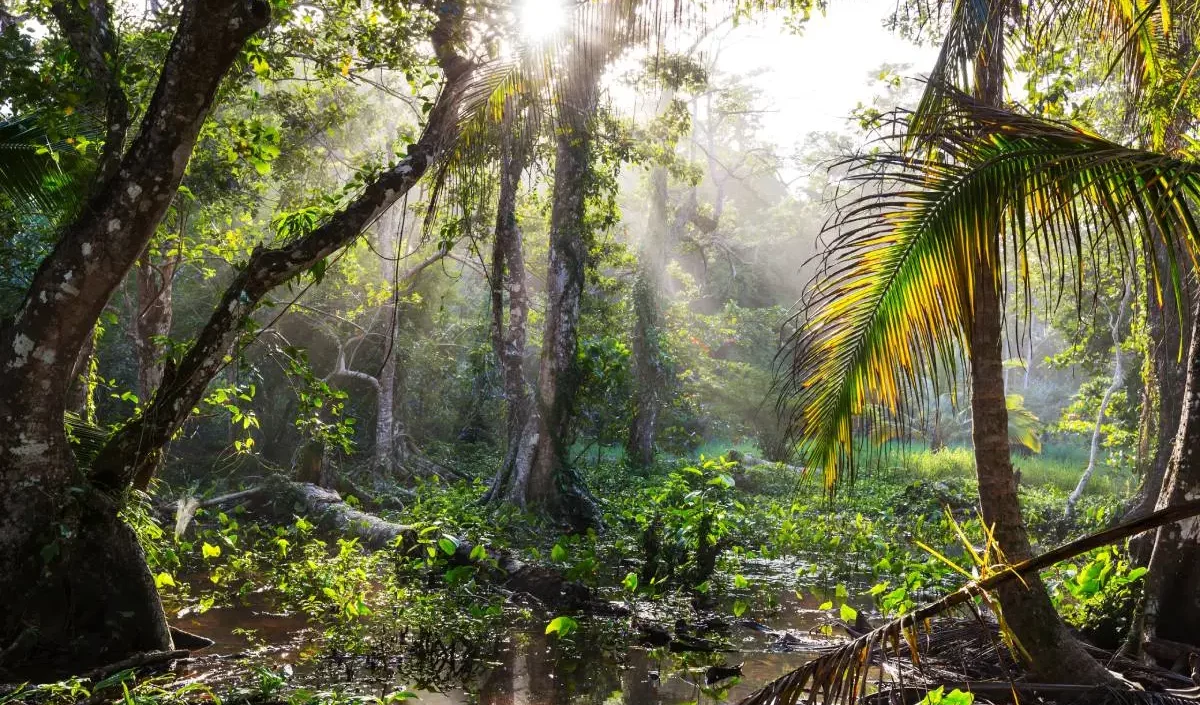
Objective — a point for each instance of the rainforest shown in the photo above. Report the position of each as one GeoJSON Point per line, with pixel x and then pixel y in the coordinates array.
{"type": "Point", "coordinates": [616, 352]}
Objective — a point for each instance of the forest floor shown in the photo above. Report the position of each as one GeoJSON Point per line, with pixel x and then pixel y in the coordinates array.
{"type": "Point", "coordinates": [302, 616]}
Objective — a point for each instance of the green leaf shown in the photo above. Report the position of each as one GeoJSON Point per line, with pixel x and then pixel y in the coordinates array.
{"type": "Point", "coordinates": [558, 554]}
{"type": "Point", "coordinates": [448, 545]}
{"type": "Point", "coordinates": [740, 582]}
{"type": "Point", "coordinates": [210, 551]}
{"type": "Point", "coordinates": [561, 626]}
{"type": "Point", "coordinates": [459, 574]}
{"type": "Point", "coordinates": [827, 605]}
{"type": "Point", "coordinates": [630, 582]}
{"type": "Point", "coordinates": [739, 608]}
{"type": "Point", "coordinates": [163, 579]}
{"type": "Point", "coordinates": [849, 614]}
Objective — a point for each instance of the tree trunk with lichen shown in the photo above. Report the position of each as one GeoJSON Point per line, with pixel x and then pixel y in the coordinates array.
{"type": "Point", "coordinates": [75, 581]}
{"type": "Point", "coordinates": [1168, 326]}
{"type": "Point", "coordinates": [539, 476]}
{"type": "Point", "coordinates": [509, 277]}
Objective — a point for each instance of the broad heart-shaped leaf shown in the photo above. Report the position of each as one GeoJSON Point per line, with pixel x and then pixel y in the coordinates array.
{"type": "Point", "coordinates": [210, 551]}
{"type": "Point", "coordinates": [848, 613]}
{"type": "Point", "coordinates": [739, 608]}
{"type": "Point", "coordinates": [631, 582]}
{"type": "Point", "coordinates": [448, 545]}
{"type": "Point", "coordinates": [561, 626]}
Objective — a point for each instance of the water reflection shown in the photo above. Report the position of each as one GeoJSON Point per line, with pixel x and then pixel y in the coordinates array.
{"type": "Point", "coordinates": [522, 667]}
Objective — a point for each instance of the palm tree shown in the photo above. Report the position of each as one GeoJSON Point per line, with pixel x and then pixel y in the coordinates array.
{"type": "Point", "coordinates": [973, 55]}
{"type": "Point", "coordinates": [902, 293]}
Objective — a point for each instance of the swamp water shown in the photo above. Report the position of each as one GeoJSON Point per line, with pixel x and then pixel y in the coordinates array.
{"type": "Point", "coordinates": [523, 666]}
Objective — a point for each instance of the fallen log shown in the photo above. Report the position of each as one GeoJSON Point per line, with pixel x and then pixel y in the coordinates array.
{"type": "Point", "coordinates": [747, 460]}
{"type": "Point", "coordinates": [326, 509]}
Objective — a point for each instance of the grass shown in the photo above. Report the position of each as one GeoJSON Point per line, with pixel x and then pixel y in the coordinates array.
{"type": "Point", "coordinates": [1058, 466]}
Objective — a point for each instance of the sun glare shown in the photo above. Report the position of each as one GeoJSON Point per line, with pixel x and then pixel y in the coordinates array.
{"type": "Point", "coordinates": [541, 20]}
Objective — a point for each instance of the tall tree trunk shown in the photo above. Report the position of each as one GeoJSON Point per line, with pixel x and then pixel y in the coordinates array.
{"type": "Point", "coordinates": [1171, 603]}
{"type": "Point", "coordinates": [509, 277]}
{"type": "Point", "coordinates": [80, 399]}
{"type": "Point", "coordinates": [1118, 379]}
{"type": "Point", "coordinates": [391, 234]}
{"type": "Point", "coordinates": [542, 478]}
{"type": "Point", "coordinates": [152, 323]}
{"type": "Point", "coordinates": [649, 369]}
{"type": "Point", "coordinates": [1169, 344]}
{"type": "Point", "coordinates": [1054, 654]}
{"type": "Point", "coordinates": [74, 578]}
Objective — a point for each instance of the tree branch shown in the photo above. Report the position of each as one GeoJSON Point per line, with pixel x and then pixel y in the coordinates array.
{"type": "Point", "coordinates": [90, 33]}
{"type": "Point", "coordinates": [73, 284]}
{"type": "Point", "coordinates": [183, 386]}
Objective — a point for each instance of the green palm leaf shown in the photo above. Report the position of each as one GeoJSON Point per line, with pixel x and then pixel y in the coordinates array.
{"type": "Point", "coordinates": [892, 300]}
{"type": "Point", "coordinates": [30, 176]}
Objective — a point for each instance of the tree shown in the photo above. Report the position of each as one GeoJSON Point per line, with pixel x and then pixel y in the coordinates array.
{"type": "Point", "coordinates": [539, 475]}
{"type": "Point", "coordinates": [76, 579]}
{"type": "Point", "coordinates": [866, 335]}
{"type": "Point", "coordinates": [72, 569]}
{"type": "Point", "coordinates": [509, 277]}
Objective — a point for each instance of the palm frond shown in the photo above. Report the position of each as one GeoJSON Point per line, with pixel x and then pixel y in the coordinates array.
{"type": "Point", "coordinates": [891, 302]}
{"type": "Point", "coordinates": [1024, 427]}
{"type": "Point", "coordinates": [1137, 32]}
{"type": "Point", "coordinates": [86, 438]}
{"type": "Point", "coordinates": [30, 176]}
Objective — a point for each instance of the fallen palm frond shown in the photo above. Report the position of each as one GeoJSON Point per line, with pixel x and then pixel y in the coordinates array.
{"type": "Point", "coordinates": [842, 675]}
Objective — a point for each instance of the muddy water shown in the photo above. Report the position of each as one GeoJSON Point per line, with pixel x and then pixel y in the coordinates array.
{"type": "Point", "coordinates": [525, 667]}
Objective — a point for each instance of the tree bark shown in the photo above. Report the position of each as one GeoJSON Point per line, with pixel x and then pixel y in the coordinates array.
{"type": "Point", "coordinates": [1053, 652]}
{"type": "Point", "coordinates": [649, 368]}
{"type": "Point", "coordinates": [1169, 345]}
{"type": "Point", "coordinates": [155, 311]}
{"type": "Point", "coordinates": [543, 479]}
{"type": "Point", "coordinates": [1171, 602]}
{"type": "Point", "coordinates": [509, 276]}
{"type": "Point", "coordinates": [73, 575]}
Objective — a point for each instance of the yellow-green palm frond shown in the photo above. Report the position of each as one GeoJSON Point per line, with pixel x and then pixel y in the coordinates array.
{"type": "Point", "coordinates": [891, 304]}
{"type": "Point", "coordinates": [1024, 427]}
{"type": "Point", "coordinates": [1138, 33]}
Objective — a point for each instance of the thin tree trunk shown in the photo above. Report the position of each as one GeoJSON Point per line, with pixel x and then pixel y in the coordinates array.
{"type": "Point", "coordinates": [509, 276]}
{"type": "Point", "coordinates": [152, 322]}
{"type": "Point", "coordinates": [1171, 603]}
{"type": "Point", "coordinates": [649, 371]}
{"type": "Point", "coordinates": [80, 396]}
{"type": "Point", "coordinates": [1054, 654]}
{"type": "Point", "coordinates": [1169, 344]}
{"type": "Point", "coordinates": [1118, 377]}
